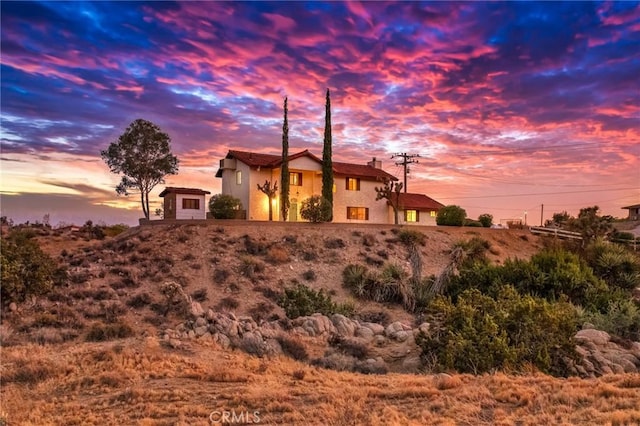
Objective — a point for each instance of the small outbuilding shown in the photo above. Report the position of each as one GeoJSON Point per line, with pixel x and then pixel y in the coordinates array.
{"type": "Point", "coordinates": [634, 212]}
{"type": "Point", "coordinates": [184, 203]}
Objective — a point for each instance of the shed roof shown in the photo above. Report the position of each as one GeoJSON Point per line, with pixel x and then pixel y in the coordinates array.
{"type": "Point", "coordinates": [635, 206]}
{"type": "Point", "coordinates": [178, 190]}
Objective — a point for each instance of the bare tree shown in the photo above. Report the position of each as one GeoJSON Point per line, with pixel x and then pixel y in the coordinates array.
{"type": "Point", "coordinates": [390, 192]}
{"type": "Point", "coordinates": [270, 192]}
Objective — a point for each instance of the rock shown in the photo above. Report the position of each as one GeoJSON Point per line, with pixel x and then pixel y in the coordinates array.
{"type": "Point", "coordinates": [200, 322]}
{"type": "Point", "coordinates": [424, 327]}
{"type": "Point", "coordinates": [222, 340]}
{"type": "Point", "coordinates": [379, 340]}
{"type": "Point", "coordinates": [191, 334]}
{"type": "Point", "coordinates": [272, 347]}
{"type": "Point", "coordinates": [210, 314]}
{"type": "Point", "coordinates": [411, 364]}
{"type": "Point", "coordinates": [597, 337]}
{"type": "Point", "coordinates": [344, 326]}
{"type": "Point", "coordinates": [13, 307]}
{"type": "Point", "coordinates": [376, 328]}
{"type": "Point", "coordinates": [365, 333]}
{"type": "Point", "coordinates": [200, 331]}
{"type": "Point", "coordinates": [196, 309]}
{"type": "Point", "coordinates": [401, 336]}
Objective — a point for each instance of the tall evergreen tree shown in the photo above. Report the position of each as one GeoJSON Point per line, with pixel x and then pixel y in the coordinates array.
{"type": "Point", "coordinates": [284, 169]}
{"type": "Point", "coordinates": [327, 163]}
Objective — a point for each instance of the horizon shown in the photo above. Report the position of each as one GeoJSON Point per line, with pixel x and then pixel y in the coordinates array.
{"type": "Point", "coordinates": [510, 106]}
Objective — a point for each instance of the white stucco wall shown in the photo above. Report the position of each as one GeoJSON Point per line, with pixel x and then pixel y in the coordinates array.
{"type": "Point", "coordinates": [366, 197]}
{"type": "Point", "coordinates": [425, 218]}
{"type": "Point", "coordinates": [181, 213]}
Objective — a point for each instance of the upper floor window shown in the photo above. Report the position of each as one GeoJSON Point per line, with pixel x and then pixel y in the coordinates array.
{"type": "Point", "coordinates": [191, 203]}
{"type": "Point", "coordinates": [238, 177]}
{"type": "Point", "coordinates": [353, 184]}
{"type": "Point", "coordinates": [358, 213]}
{"type": "Point", "coordinates": [295, 179]}
{"type": "Point", "coordinates": [411, 216]}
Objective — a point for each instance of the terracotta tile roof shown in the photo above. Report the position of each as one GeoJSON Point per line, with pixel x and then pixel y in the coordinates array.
{"type": "Point", "coordinates": [361, 171]}
{"type": "Point", "coordinates": [635, 206]}
{"type": "Point", "coordinates": [177, 190]}
{"type": "Point", "coordinates": [254, 159]}
{"type": "Point", "coordinates": [418, 202]}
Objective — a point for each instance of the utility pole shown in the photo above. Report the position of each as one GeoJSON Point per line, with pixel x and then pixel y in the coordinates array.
{"type": "Point", "coordinates": [406, 160]}
{"type": "Point", "coordinates": [541, 213]}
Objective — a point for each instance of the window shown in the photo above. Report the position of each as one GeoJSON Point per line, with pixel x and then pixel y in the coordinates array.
{"type": "Point", "coordinates": [190, 204]}
{"type": "Point", "coordinates": [353, 184]}
{"type": "Point", "coordinates": [433, 213]}
{"type": "Point", "coordinates": [238, 177]}
{"type": "Point", "coordinates": [412, 216]}
{"type": "Point", "coordinates": [358, 213]}
{"type": "Point", "coordinates": [295, 179]}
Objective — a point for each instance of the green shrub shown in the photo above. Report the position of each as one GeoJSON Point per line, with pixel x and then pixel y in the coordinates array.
{"type": "Point", "coordinates": [479, 333]}
{"type": "Point", "coordinates": [390, 285]}
{"type": "Point", "coordinates": [301, 301]}
{"type": "Point", "coordinates": [316, 209]}
{"type": "Point", "coordinates": [621, 318]}
{"type": "Point", "coordinates": [615, 264]}
{"type": "Point", "coordinates": [224, 206]}
{"type": "Point", "coordinates": [486, 220]}
{"type": "Point", "coordinates": [451, 216]}
{"type": "Point", "coordinates": [472, 223]}
{"type": "Point", "coordinates": [26, 269]}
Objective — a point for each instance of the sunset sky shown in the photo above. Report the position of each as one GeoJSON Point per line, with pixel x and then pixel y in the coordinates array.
{"type": "Point", "coordinates": [510, 105]}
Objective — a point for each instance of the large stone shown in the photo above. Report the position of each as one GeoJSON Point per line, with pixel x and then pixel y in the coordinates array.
{"type": "Point", "coordinates": [597, 337]}
{"type": "Point", "coordinates": [375, 327]}
{"type": "Point", "coordinates": [365, 333]}
{"type": "Point", "coordinates": [222, 340]}
{"type": "Point", "coordinates": [344, 326]}
{"type": "Point", "coordinates": [196, 309]}
{"type": "Point", "coordinates": [201, 322]}
{"type": "Point", "coordinates": [200, 331]}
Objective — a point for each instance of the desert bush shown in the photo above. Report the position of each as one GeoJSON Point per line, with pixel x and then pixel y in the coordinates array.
{"type": "Point", "coordinates": [224, 206]}
{"type": "Point", "coordinates": [316, 209]}
{"type": "Point", "coordinates": [250, 266]}
{"type": "Point", "coordinates": [79, 277]}
{"type": "Point", "coordinates": [220, 275]}
{"type": "Point", "coordinates": [261, 311]}
{"type": "Point", "coordinates": [292, 347]}
{"type": "Point", "coordinates": [309, 275]}
{"type": "Point", "coordinates": [200, 295]}
{"type": "Point", "coordinates": [26, 269]}
{"type": "Point", "coordinates": [621, 318]}
{"type": "Point", "coordinates": [373, 261]}
{"type": "Point", "coordinates": [354, 277]}
{"type": "Point", "coordinates": [378, 317]}
{"type": "Point", "coordinates": [351, 347]}
{"type": "Point", "coordinates": [309, 255]}
{"type": "Point", "coordinates": [188, 256]}
{"type": "Point", "coordinates": [334, 243]}
{"type": "Point", "coordinates": [174, 297]}
{"type": "Point", "coordinates": [410, 237]}
{"type": "Point", "coordinates": [368, 240]}
{"type": "Point", "coordinates": [303, 301]}
{"type": "Point", "coordinates": [254, 247]}
{"type": "Point", "coordinates": [472, 223]}
{"type": "Point", "coordinates": [113, 230]}
{"type": "Point", "coordinates": [474, 249]}
{"type": "Point", "coordinates": [277, 254]}
{"type": "Point", "coordinates": [30, 372]}
{"type": "Point", "coordinates": [100, 332]}
{"type": "Point", "coordinates": [139, 300]}
{"type": "Point", "coordinates": [615, 264]}
{"type": "Point", "coordinates": [228, 303]}
{"type": "Point", "coordinates": [335, 361]}
{"type": "Point", "coordinates": [479, 333]}
{"type": "Point", "coordinates": [451, 216]}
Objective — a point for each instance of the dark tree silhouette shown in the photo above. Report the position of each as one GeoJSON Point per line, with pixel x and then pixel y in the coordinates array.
{"type": "Point", "coordinates": [390, 192]}
{"type": "Point", "coordinates": [284, 170]}
{"type": "Point", "coordinates": [269, 191]}
{"type": "Point", "coordinates": [327, 162]}
{"type": "Point", "coordinates": [142, 154]}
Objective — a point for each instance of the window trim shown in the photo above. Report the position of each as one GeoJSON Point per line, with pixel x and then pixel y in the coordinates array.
{"type": "Point", "coordinates": [238, 177]}
{"type": "Point", "coordinates": [355, 209]}
{"type": "Point", "coordinates": [187, 202]}
{"type": "Point", "coordinates": [352, 179]}
{"type": "Point", "coordinates": [416, 218]}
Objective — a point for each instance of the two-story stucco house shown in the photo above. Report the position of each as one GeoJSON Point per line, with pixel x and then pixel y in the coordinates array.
{"type": "Point", "coordinates": [354, 196]}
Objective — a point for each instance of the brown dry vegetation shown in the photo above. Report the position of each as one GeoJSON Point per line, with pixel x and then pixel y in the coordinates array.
{"type": "Point", "coordinates": [139, 381]}
{"type": "Point", "coordinates": [53, 370]}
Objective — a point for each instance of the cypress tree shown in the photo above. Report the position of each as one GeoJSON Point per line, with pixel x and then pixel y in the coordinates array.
{"type": "Point", "coordinates": [327, 163]}
{"type": "Point", "coordinates": [284, 169]}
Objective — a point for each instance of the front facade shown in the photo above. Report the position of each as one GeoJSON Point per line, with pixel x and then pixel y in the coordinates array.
{"type": "Point", "coordinates": [184, 203]}
{"type": "Point", "coordinates": [634, 212]}
{"type": "Point", "coordinates": [354, 196]}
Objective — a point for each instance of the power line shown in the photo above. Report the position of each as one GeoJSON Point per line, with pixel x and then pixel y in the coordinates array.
{"type": "Point", "coordinates": [544, 193]}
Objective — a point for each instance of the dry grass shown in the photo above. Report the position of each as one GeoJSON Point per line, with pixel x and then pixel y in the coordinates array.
{"type": "Point", "coordinates": [138, 381]}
